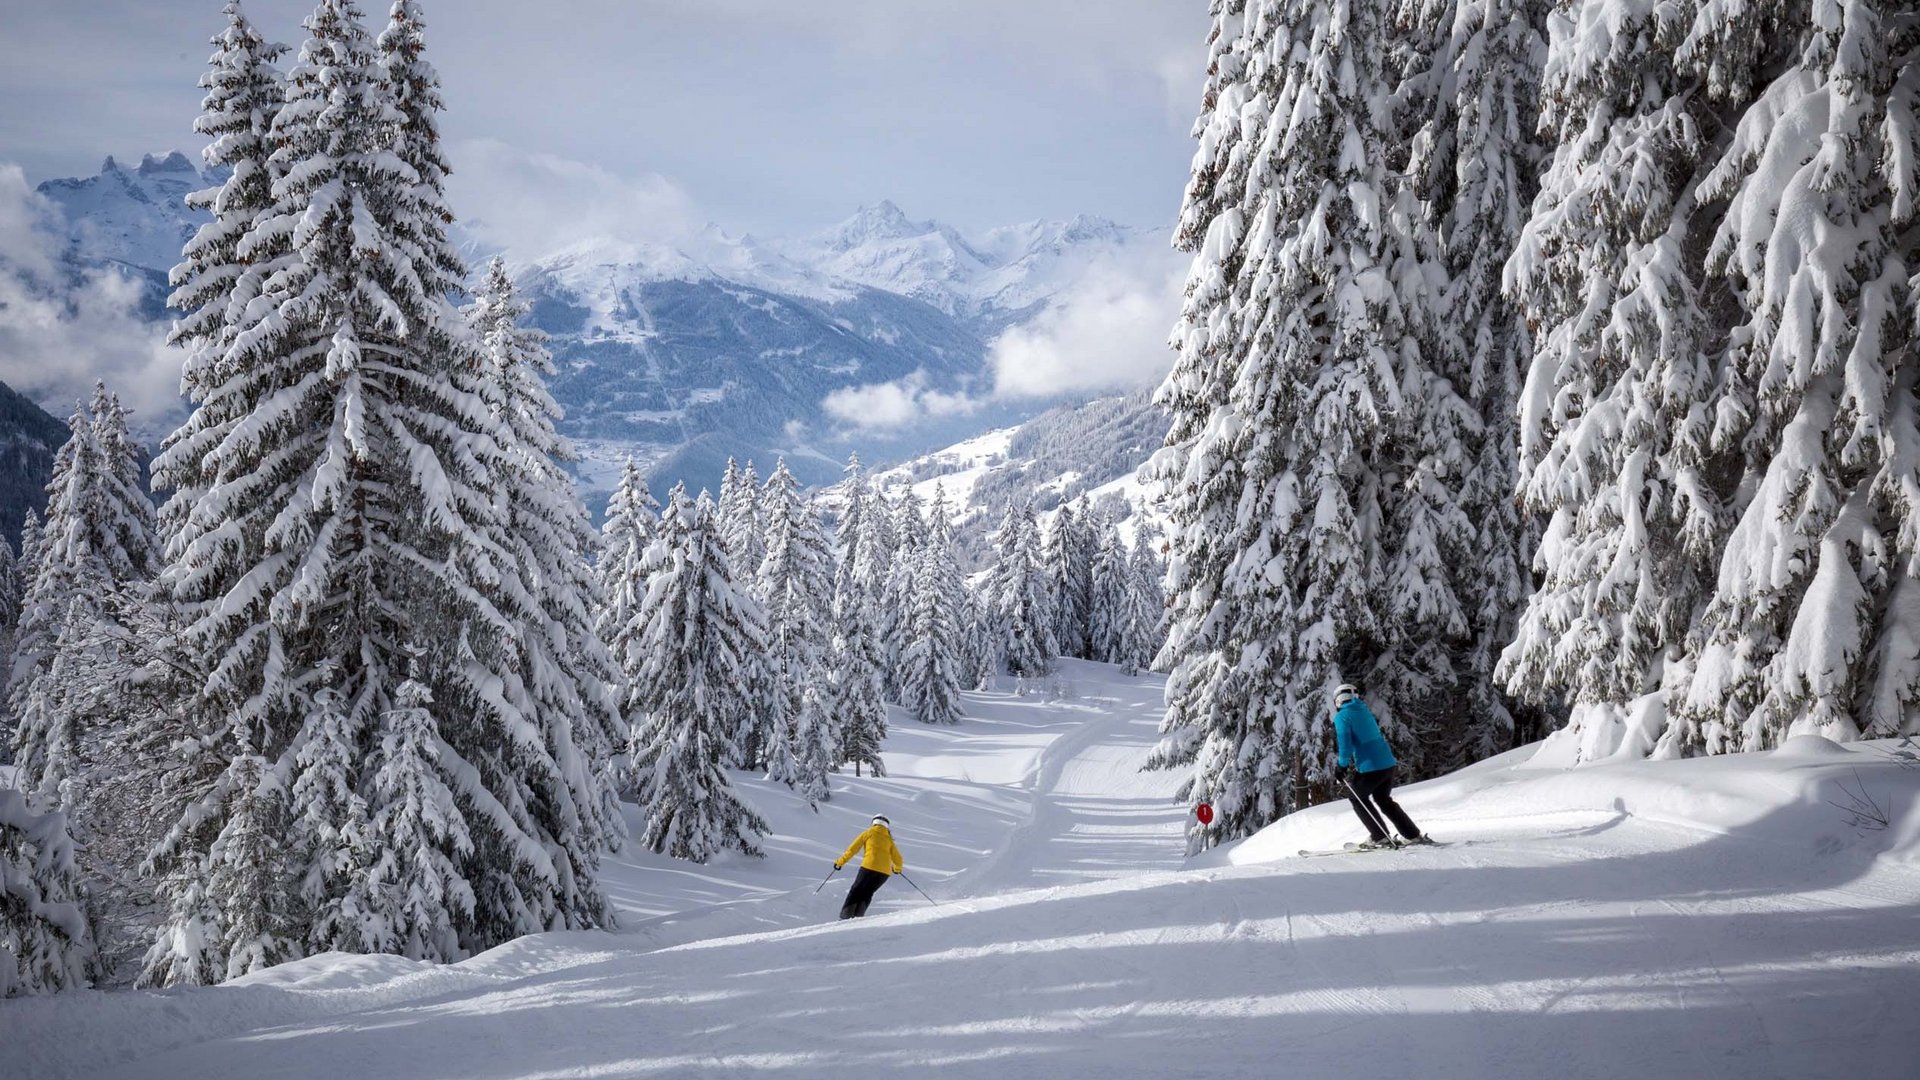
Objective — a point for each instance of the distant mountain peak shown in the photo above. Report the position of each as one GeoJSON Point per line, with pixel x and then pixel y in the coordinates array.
{"type": "Point", "coordinates": [873, 224]}
{"type": "Point", "coordinates": [175, 162]}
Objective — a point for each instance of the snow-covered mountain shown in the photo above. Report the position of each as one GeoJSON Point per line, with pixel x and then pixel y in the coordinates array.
{"type": "Point", "coordinates": [720, 344]}
{"type": "Point", "coordinates": [137, 218]}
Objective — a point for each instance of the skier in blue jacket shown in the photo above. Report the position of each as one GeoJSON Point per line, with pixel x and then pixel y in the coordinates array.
{"type": "Point", "coordinates": [1365, 769]}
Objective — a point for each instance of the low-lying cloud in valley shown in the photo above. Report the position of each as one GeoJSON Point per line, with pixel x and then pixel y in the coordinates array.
{"type": "Point", "coordinates": [62, 327]}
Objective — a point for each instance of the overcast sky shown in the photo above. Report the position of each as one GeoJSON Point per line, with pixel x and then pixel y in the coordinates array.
{"type": "Point", "coordinates": [777, 116]}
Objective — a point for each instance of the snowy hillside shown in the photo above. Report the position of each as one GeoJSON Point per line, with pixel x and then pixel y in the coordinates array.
{"type": "Point", "coordinates": [723, 344]}
{"type": "Point", "coordinates": [1730, 917]}
{"type": "Point", "coordinates": [1093, 451]}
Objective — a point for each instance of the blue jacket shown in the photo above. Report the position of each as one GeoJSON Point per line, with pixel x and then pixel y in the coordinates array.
{"type": "Point", "coordinates": [1361, 744]}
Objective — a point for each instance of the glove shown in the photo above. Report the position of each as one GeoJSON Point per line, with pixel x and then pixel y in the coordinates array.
{"type": "Point", "coordinates": [836, 866]}
{"type": "Point", "coordinates": [1340, 774]}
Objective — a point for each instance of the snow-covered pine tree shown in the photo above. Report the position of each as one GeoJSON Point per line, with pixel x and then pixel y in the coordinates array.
{"type": "Point", "coordinates": [701, 631]}
{"type": "Point", "coordinates": [1109, 583]}
{"type": "Point", "coordinates": [796, 588]}
{"type": "Point", "coordinates": [633, 517]}
{"type": "Point", "coordinates": [985, 645]}
{"type": "Point", "coordinates": [932, 667]}
{"type": "Point", "coordinates": [812, 748]}
{"type": "Point", "coordinates": [1471, 81]}
{"type": "Point", "coordinates": [906, 531]}
{"type": "Point", "coordinates": [563, 666]}
{"type": "Point", "coordinates": [1143, 616]}
{"type": "Point", "coordinates": [1739, 472]}
{"type": "Point", "coordinates": [416, 889]}
{"type": "Point", "coordinates": [213, 283]}
{"type": "Point", "coordinates": [1816, 603]}
{"type": "Point", "coordinates": [340, 503]}
{"type": "Point", "coordinates": [743, 526]}
{"type": "Point", "coordinates": [1623, 449]}
{"type": "Point", "coordinates": [855, 658]}
{"type": "Point", "coordinates": [1019, 592]}
{"type": "Point", "coordinates": [46, 938]}
{"type": "Point", "coordinates": [95, 551]}
{"type": "Point", "coordinates": [1301, 402]}
{"type": "Point", "coordinates": [1068, 552]}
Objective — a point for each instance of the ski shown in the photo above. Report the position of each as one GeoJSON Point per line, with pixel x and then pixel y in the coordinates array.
{"type": "Point", "coordinates": [1356, 849]}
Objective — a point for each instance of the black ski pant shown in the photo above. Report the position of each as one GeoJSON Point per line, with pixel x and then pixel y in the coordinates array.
{"type": "Point", "coordinates": [865, 884]}
{"type": "Point", "coordinates": [1371, 794]}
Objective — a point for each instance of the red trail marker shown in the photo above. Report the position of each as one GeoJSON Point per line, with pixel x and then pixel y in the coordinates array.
{"type": "Point", "coordinates": [1204, 812]}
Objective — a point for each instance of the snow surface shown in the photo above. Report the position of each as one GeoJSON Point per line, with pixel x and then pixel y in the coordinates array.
{"type": "Point", "coordinates": [1725, 917]}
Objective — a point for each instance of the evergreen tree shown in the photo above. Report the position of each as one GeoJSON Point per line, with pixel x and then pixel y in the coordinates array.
{"type": "Point", "coordinates": [1724, 445]}
{"type": "Point", "coordinates": [96, 546]}
{"type": "Point", "coordinates": [1110, 585]}
{"type": "Point", "coordinates": [1304, 402]}
{"type": "Point", "coordinates": [415, 896]}
{"type": "Point", "coordinates": [906, 532]}
{"type": "Point", "coordinates": [1020, 595]}
{"type": "Point", "coordinates": [46, 939]}
{"type": "Point", "coordinates": [564, 668]}
{"type": "Point", "coordinates": [700, 632]}
{"type": "Point", "coordinates": [742, 525]}
{"type": "Point", "coordinates": [1142, 619]}
{"type": "Point", "coordinates": [338, 497]}
{"type": "Point", "coordinates": [1472, 81]}
{"type": "Point", "coordinates": [631, 525]}
{"type": "Point", "coordinates": [1069, 552]}
{"type": "Point", "coordinates": [932, 668]}
{"type": "Point", "coordinates": [796, 587]}
{"type": "Point", "coordinates": [813, 748]}
{"type": "Point", "coordinates": [855, 658]}
{"type": "Point", "coordinates": [984, 643]}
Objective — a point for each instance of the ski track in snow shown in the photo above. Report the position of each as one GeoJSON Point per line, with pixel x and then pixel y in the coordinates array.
{"type": "Point", "coordinates": [1679, 919]}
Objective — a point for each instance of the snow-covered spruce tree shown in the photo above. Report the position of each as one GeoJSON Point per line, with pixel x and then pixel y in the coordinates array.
{"type": "Point", "coordinates": [812, 748]}
{"type": "Point", "coordinates": [906, 532]}
{"type": "Point", "coordinates": [743, 527]}
{"type": "Point", "coordinates": [855, 658]}
{"type": "Point", "coordinates": [213, 283]}
{"type": "Point", "coordinates": [700, 632]}
{"type": "Point", "coordinates": [1142, 627]}
{"type": "Point", "coordinates": [1311, 517]}
{"type": "Point", "coordinates": [1108, 585]}
{"type": "Point", "coordinates": [796, 589]}
{"type": "Point", "coordinates": [1068, 552]}
{"type": "Point", "coordinates": [416, 881]}
{"type": "Point", "coordinates": [632, 521]}
{"type": "Point", "coordinates": [339, 502]}
{"type": "Point", "coordinates": [985, 645]}
{"type": "Point", "coordinates": [932, 662]}
{"type": "Point", "coordinates": [1471, 80]}
{"type": "Point", "coordinates": [46, 939]}
{"type": "Point", "coordinates": [1710, 386]}
{"type": "Point", "coordinates": [1019, 592]}
{"type": "Point", "coordinates": [563, 666]}
{"type": "Point", "coordinates": [95, 551]}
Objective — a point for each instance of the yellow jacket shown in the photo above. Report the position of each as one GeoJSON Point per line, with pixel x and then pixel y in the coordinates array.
{"type": "Point", "coordinates": [882, 853]}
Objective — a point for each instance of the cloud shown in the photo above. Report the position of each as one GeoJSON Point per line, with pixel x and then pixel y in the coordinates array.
{"type": "Point", "coordinates": [1106, 332]}
{"type": "Point", "coordinates": [889, 405]}
{"type": "Point", "coordinates": [61, 329]}
{"type": "Point", "coordinates": [532, 204]}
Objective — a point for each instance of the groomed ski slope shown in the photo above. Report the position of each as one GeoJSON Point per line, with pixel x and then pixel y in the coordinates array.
{"type": "Point", "coordinates": [1712, 918]}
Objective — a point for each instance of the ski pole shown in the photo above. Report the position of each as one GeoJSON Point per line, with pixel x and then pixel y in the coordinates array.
{"type": "Point", "coordinates": [824, 880]}
{"type": "Point", "coordinates": [918, 889]}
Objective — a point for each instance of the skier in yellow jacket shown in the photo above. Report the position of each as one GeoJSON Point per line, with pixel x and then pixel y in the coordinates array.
{"type": "Point", "coordinates": [879, 860]}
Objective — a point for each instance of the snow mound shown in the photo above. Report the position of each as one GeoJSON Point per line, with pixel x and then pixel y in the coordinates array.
{"type": "Point", "coordinates": [1810, 747]}
{"type": "Point", "coordinates": [333, 971]}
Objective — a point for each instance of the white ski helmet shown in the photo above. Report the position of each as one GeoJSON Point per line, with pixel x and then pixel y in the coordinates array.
{"type": "Point", "coordinates": [1347, 692]}
{"type": "Point", "coordinates": [881, 819]}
